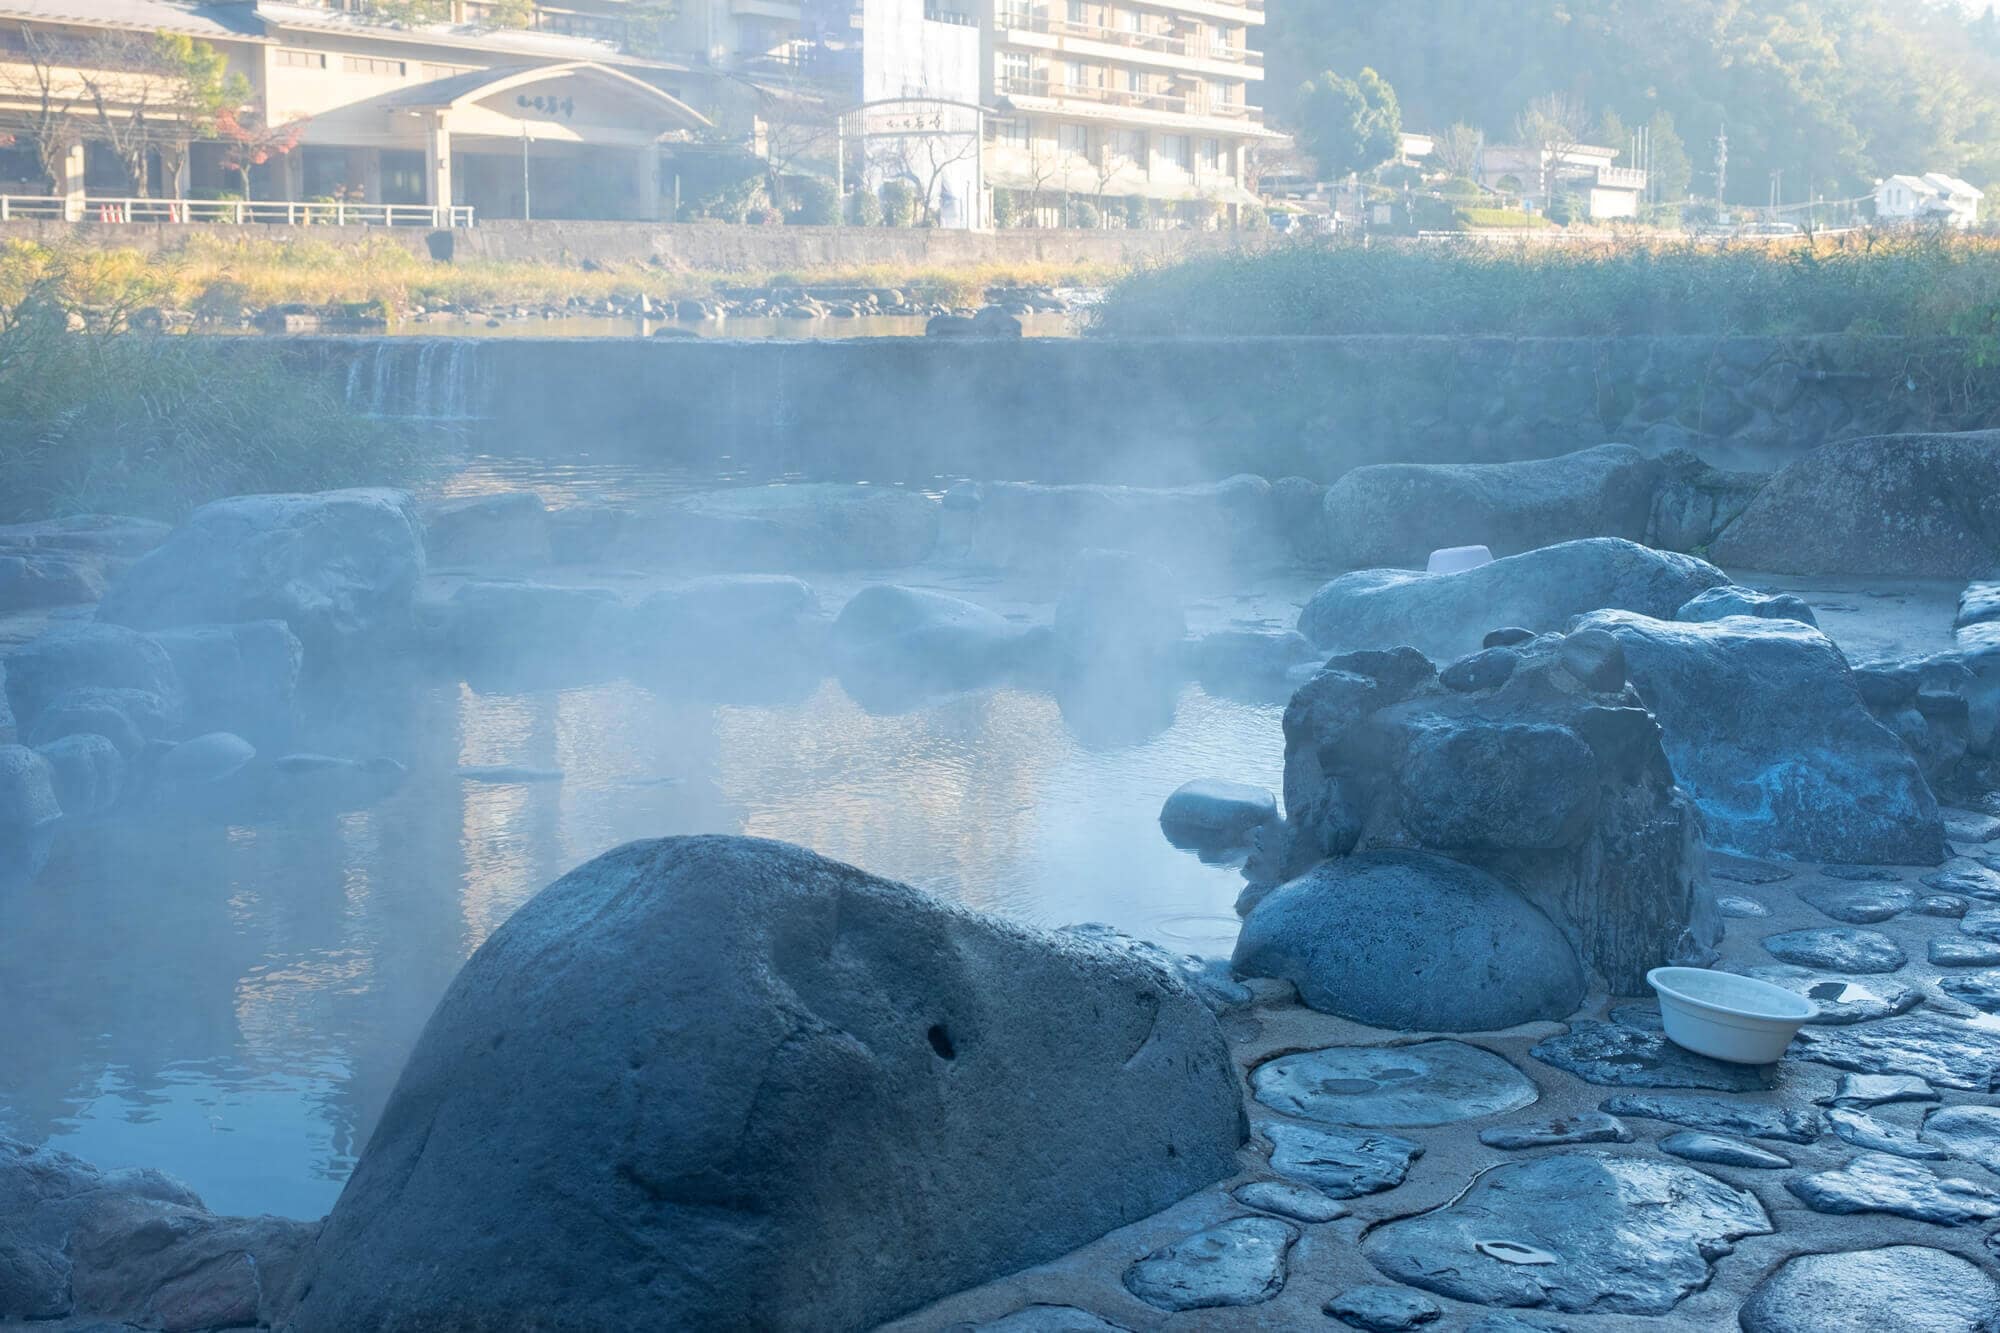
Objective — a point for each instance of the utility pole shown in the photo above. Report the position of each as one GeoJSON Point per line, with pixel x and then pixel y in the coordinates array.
{"type": "Point", "coordinates": [1722, 172]}
{"type": "Point", "coordinates": [527, 206]}
{"type": "Point", "coordinates": [1777, 189]}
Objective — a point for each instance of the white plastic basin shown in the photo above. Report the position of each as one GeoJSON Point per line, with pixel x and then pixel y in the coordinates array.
{"type": "Point", "coordinates": [1719, 1014]}
{"type": "Point", "coordinates": [1456, 559]}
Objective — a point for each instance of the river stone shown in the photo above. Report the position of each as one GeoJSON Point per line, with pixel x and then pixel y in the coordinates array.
{"type": "Point", "coordinates": [1878, 1183]}
{"type": "Point", "coordinates": [1852, 874]}
{"type": "Point", "coordinates": [1342, 1165]}
{"type": "Point", "coordinates": [1765, 728]}
{"type": "Point", "coordinates": [239, 678]}
{"type": "Point", "coordinates": [1739, 907]}
{"type": "Point", "coordinates": [1446, 616]}
{"type": "Point", "coordinates": [1256, 665]}
{"type": "Point", "coordinates": [510, 528]}
{"type": "Point", "coordinates": [1881, 1090]}
{"type": "Point", "coordinates": [1966, 877]}
{"type": "Point", "coordinates": [1718, 1115]}
{"type": "Point", "coordinates": [1510, 1323]}
{"type": "Point", "coordinates": [1721, 603]}
{"type": "Point", "coordinates": [89, 657]}
{"type": "Point", "coordinates": [924, 638]}
{"type": "Point", "coordinates": [1893, 506]}
{"type": "Point", "coordinates": [1983, 925]}
{"type": "Point", "coordinates": [204, 759]}
{"type": "Point", "coordinates": [1970, 825]}
{"type": "Point", "coordinates": [1738, 870]}
{"type": "Point", "coordinates": [1211, 812]}
{"type": "Point", "coordinates": [1838, 950]}
{"type": "Point", "coordinates": [1721, 1150]}
{"type": "Point", "coordinates": [1556, 1131]}
{"type": "Point", "coordinates": [1239, 1262]}
{"type": "Point", "coordinates": [1397, 513]}
{"type": "Point", "coordinates": [86, 772]}
{"type": "Point", "coordinates": [725, 1049]}
{"type": "Point", "coordinates": [1615, 1235]}
{"type": "Point", "coordinates": [1236, 522]}
{"type": "Point", "coordinates": [1412, 941]}
{"type": "Point", "coordinates": [1617, 1056]}
{"type": "Point", "coordinates": [1841, 1000]}
{"type": "Point", "coordinates": [1301, 1203]}
{"type": "Point", "coordinates": [1948, 906]}
{"type": "Point", "coordinates": [1050, 1319]}
{"type": "Point", "coordinates": [340, 567]}
{"type": "Point", "coordinates": [1382, 1309]}
{"type": "Point", "coordinates": [1981, 990]}
{"type": "Point", "coordinates": [1380, 1087]}
{"type": "Point", "coordinates": [1941, 1050]}
{"type": "Point", "coordinates": [1970, 1132]}
{"type": "Point", "coordinates": [129, 719]}
{"type": "Point", "coordinates": [1895, 1289]}
{"type": "Point", "coordinates": [1857, 907]}
{"type": "Point", "coordinates": [797, 526]}
{"type": "Point", "coordinates": [1959, 951]}
{"type": "Point", "coordinates": [1864, 1131]}
{"type": "Point", "coordinates": [29, 813]}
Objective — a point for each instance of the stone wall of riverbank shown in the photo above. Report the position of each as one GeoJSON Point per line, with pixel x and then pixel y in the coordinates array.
{"type": "Point", "coordinates": [705, 246]}
{"type": "Point", "coordinates": [1162, 411]}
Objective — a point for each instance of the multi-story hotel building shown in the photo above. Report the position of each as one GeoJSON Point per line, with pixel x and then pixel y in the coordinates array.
{"type": "Point", "coordinates": [513, 108]}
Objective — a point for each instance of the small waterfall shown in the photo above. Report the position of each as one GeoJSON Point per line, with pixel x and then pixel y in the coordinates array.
{"type": "Point", "coordinates": [420, 379]}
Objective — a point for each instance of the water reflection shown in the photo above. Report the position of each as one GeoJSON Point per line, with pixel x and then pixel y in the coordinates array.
{"type": "Point", "coordinates": [232, 1002]}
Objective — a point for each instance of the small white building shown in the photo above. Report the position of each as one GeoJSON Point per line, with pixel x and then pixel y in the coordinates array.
{"type": "Point", "coordinates": [1929, 198]}
{"type": "Point", "coordinates": [1609, 191]}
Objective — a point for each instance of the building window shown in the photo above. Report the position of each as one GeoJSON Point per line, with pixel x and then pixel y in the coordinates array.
{"type": "Point", "coordinates": [1075, 72]}
{"type": "Point", "coordinates": [1015, 71]}
{"type": "Point", "coordinates": [1009, 132]}
{"type": "Point", "coordinates": [1128, 145]}
{"type": "Point", "coordinates": [298, 59]}
{"type": "Point", "coordinates": [1077, 14]}
{"type": "Point", "coordinates": [445, 71]}
{"type": "Point", "coordinates": [373, 65]}
{"type": "Point", "coordinates": [1211, 156]}
{"type": "Point", "coordinates": [1178, 150]}
{"type": "Point", "coordinates": [1073, 140]}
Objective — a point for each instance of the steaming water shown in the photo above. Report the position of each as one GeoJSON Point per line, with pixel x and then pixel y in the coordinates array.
{"type": "Point", "coordinates": [231, 1003]}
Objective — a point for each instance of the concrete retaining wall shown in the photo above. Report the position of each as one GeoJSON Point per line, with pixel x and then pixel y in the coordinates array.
{"type": "Point", "coordinates": [1157, 411]}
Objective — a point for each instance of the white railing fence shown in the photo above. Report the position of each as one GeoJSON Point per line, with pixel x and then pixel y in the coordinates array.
{"type": "Point", "coordinates": [239, 212]}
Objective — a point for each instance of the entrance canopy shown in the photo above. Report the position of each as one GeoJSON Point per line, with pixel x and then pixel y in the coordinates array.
{"type": "Point", "coordinates": [574, 102]}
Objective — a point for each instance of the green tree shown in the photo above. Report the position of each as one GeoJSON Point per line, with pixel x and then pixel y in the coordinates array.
{"type": "Point", "coordinates": [1349, 124]}
{"type": "Point", "coordinates": [156, 93]}
{"type": "Point", "coordinates": [1673, 170]}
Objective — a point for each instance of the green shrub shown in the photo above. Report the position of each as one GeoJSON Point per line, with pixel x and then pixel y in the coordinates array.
{"type": "Point", "coordinates": [1007, 208]}
{"type": "Point", "coordinates": [864, 209]}
{"type": "Point", "coordinates": [1135, 210]}
{"type": "Point", "coordinates": [815, 202]}
{"type": "Point", "coordinates": [899, 204]}
{"type": "Point", "coordinates": [1086, 215]}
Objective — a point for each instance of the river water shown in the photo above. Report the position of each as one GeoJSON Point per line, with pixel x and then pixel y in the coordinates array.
{"type": "Point", "coordinates": [231, 1001]}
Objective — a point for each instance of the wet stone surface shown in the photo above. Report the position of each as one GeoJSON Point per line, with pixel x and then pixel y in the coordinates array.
{"type": "Point", "coordinates": [1737, 907]}
{"type": "Point", "coordinates": [1942, 1051]}
{"type": "Point", "coordinates": [1970, 1133]}
{"type": "Point", "coordinates": [1574, 1232]}
{"type": "Point", "coordinates": [1857, 905]}
{"type": "Point", "coordinates": [1984, 924]}
{"type": "Point", "coordinates": [1981, 990]}
{"type": "Point", "coordinates": [1721, 1150]}
{"type": "Point", "coordinates": [1881, 1090]}
{"type": "Point", "coordinates": [1862, 874]}
{"type": "Point", "coordinates": [1864, 1131]}
{"type": "Point", "coordinates": [1963, 951]}
{"type": "Point", "coordinates": [1740, 871]}
{"type": "Point", "coordinates": [1878, 1183]}
{"type": "Point", "coordinates": [1050, 1319]}
{"type": "Point", "coordinates": [1555, 1131]}
{"type": "Point", "coordinates": [1240, 1262]}
{"type": "Point", "coordinates": [1383, 1309]}
{"type": "Point", "coordinates": [1718, 1115]}
{"type": "Point", "coordinates": [1966, 877]}
{"type": "Point", "coordinates": [1620, 1056]}
{"type": "Point", "coordinates": [1895, 1289]}
{"type": "Point", "coordinates": [1301, 1203]}
{"type": "Point", "coordinates": [1947, 905]}
{"type": "Point", "coordinates": [1842, 1000]}
{"type": "Point", "coordinates": [1841, 949]}
{"type": "Point", "coordinates": [1343, 1165]}
{"type": "Point", "coordinates": [1428, 1083]}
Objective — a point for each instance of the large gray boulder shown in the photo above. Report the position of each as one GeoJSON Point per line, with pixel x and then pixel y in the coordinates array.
{"type": "Point", "coordinates": [1897, 506]}
{"type": "Point", "coordinates": [889, 633]}
{"type": "Point", "coordinates": [1542, 769]}
{"type": "Point", "coordinates": [135, 1248]}
{"type": "Point", "coordinates": [1767, 732]}
{"type": "Point", "coordinates": [1446, 615]}
{"type": "Point", "coordinates": [32, 579]}
{"type": "Point", "coordinates": [1414, 941]}
{"type": "Point", "coordinates": [1191, 529]}
{"type": "Point", "coordinates": [86, 772]}
{"type": "Point", "coordinates": [725, 1083]}
{"type": "Point", "coordinates": [28, 813]}
{"type": "Point", "coordinates": [483, 531]}
{"type": "Point", "coordinates": [804, 526]}
{"type": "Point", "coordinates": [1398, 513]}
{"type": "Point", "coordinates": [340, 567]}
{"type": "Point", "coordinates": [239, 678]}
{"type": "Point", "coordinates": [505, 625]}
{"type": "Point", "coordinates": [79, 657]}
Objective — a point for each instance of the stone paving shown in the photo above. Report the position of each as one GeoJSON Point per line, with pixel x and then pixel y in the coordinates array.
{"type": "Point", "coordinates": [1588, 1175]}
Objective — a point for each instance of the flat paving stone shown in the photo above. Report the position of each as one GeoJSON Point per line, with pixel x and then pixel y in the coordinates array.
{"type": "Point", "coordinates": [1343, 1165]}
{"type": "Point", "coordinates": [1862, 874]}
{"type": "Point", "coordinates": [1968, 1132]}
{"type": "Point", "coordinates": [1739, 870]}
{"type": "Point", "coordinates": [1878, 1183]}
{"type": "Point", "coordinates": [1969, 826]}
{"type": "Point", "coordinates": [1575, 1232]}
{"type": "Point", "coordinates": [1618, 1056]}
{"type": "Point", "coordinates": [1512, 1323]}
{"type": "Point", "coordinates": [1981, 990]}
{"type": "Point", "coordinates": [1718, 1115]}
{"type": "Point", "coordinates": [1301, 1203]}
{"type": "Point", "coordinates": [1841, 1000]}
{"type": "Point", "coordinates": [1969, 877]}
{"type": "Point", "coordinates": [1840, 949]}
{"type": "Point", "coordinates": [1645, 1017]}
{"type": "Point", "coordinates": [1881, 1090]}
{"type": "Point", "coordinates": [1050, 1319]}
{"type": "Point", "coordinates": [1864, 1131]}
{"type": "Point", "coordinates": [1721, 1150]}
{"type": "Point", "coordinates": [1557, 1131]}
{"type": "Point", "coordinates": [1736, 906]}
{"type": "Point", "coordinates": [1963, 951]}
{"type": "Point", "coordinates": [1946, 905]}
{"type": "Point", "coordinates": [1983, 924]}
{"type": "Point", "coordinates": [1239, 1262]}
{"type": "Point", "coordinates": [1383, 1309]}
{"type": "Point", "coordinates": [1424, 1084]}
{"type": "Point", "coordinates": [1857, 905]}
{"type": "Point", "coordinates": [1945, 1052]}
{"type": "Point", "coordinates": [1895, 1289]}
